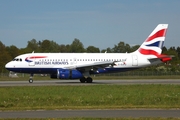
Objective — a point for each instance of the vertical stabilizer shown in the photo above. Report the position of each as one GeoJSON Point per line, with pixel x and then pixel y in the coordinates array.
{"type": "Point", "coordinates": [154, 43]}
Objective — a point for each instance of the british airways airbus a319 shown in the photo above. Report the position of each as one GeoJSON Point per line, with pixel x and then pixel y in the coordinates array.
{"type": "Point", "coordinates": [83, 65]}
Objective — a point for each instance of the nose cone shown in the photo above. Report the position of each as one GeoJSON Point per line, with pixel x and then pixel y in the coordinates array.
{"type": "Point", "coordinates": [8, 66]}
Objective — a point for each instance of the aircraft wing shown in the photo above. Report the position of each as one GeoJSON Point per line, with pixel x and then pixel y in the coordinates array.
{"type": "Point", "coordinates": [97, 64]}
{"type": "Point", "coordinates": [93, 66]}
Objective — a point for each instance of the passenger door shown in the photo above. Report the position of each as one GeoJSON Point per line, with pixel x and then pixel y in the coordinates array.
{"type": "Point", "coordinates": [134, 60]}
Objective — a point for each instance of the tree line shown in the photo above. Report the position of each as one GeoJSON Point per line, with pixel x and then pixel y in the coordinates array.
{"type": "Point", "coordinates": [50, 46]}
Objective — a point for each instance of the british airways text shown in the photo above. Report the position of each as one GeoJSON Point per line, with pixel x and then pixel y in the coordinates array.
{"type": "Point", "coordinates": [51, 63]}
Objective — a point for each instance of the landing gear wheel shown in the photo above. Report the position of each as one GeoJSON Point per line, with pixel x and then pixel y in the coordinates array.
{"type": "Point", "coordinates": [30, 80]}
{"type": "Point", "coordinates": [83, 80]}
{"type": "Point", "coordinates": [89, 80]}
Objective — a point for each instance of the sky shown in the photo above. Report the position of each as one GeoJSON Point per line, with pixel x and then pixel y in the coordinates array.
{"type": "Point", "coordinates": [100, 23]}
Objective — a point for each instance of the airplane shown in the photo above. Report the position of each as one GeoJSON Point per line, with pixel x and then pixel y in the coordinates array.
{"type": "Point", "coordinates": [83, 65]}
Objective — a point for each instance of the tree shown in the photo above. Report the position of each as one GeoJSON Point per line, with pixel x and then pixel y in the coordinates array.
{"type": "Point", "coordinates": [4, 57]}
{"type": "Point", "coordinates": [76, 46]}
{"type": "Point", "coordinates": [108, 50]}
{"type": "Point", "coordinates": [62, 48]}
{"type": "Point", "coordinates": [54, 47]}
{"type": "Point", "coordinates": [45, 46]}
{"type": "Point", "coordinates": [164, 49]}
{"type": "Point", "coordinates": [92, 49]}
{"type": "Point", "coordinates": [68, 48]}
{"type": "Point", "coordinates": [172, 51]}
{"type": "Point", "coordinates": [33, 45]}
{"type": "Point", "coordinates": [121, 48]}
{"type": "Point", "coordinates": [2, 47]}
{"type": "Point", "coordinates": [13, 51]}
{"type": "Point", "coordinates": [178, 51]}
{"type": "Point", "coordinates": [134, 48]}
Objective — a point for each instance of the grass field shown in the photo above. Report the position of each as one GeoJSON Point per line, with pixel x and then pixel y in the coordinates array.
{"type": "Point", "coordinates": [89, 97]}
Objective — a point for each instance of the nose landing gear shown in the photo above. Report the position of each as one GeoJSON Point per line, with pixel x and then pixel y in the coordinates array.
{"type": "Point", "coordinates": [31, 78]}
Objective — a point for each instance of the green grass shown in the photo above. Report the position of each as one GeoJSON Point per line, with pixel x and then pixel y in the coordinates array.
{"type": "Point", "coordinates": [89, 97]}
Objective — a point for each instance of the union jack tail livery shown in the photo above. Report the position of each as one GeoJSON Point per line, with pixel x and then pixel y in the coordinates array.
{"type": "Point", "coordinates": [152, 46]}
{"type": "Point", "coordinates": [154, 43]}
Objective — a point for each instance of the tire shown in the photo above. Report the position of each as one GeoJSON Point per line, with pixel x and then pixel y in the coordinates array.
{"type": "Point", "coordinates": [83, 80]}
{"type": "Point", "coordinates": [89, 80]}
{"type": "Point", "coordinates": [30, 80]}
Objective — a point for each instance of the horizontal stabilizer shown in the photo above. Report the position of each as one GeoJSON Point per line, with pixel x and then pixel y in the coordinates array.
{"type": "Point", "coordinates": [163, 58]}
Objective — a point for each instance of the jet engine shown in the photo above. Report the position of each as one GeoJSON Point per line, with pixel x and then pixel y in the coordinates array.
{"type": "Point", "coordinates": [67, 74]}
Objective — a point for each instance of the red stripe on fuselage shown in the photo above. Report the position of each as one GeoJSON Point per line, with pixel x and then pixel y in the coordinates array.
{"type": "Point", "coordinates": [34, 57]}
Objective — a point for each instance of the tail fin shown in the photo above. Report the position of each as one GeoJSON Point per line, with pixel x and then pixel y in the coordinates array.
{"type": "Point", "coordinates": [154, 43]}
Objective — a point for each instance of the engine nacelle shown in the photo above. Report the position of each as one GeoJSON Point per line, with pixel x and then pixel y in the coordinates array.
{"type": "Point", "coordinates": [67, 74]}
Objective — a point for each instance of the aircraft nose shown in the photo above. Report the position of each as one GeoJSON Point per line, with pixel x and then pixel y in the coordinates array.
{"type": "Point", "coordinates": [8, 65]}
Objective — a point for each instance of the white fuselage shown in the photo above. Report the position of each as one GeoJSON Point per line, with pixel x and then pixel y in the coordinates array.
{"type": "Point", "coordinates": [47, 62]}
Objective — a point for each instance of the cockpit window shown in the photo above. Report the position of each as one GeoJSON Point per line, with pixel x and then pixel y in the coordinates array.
{"type": "Point", "coordinates": [17, 59]}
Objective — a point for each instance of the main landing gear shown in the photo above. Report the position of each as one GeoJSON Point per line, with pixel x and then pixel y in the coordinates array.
{"type": "Point", "coordinates": [88, 80]}
{"type": "Point", "coordinates": [31, 78]}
